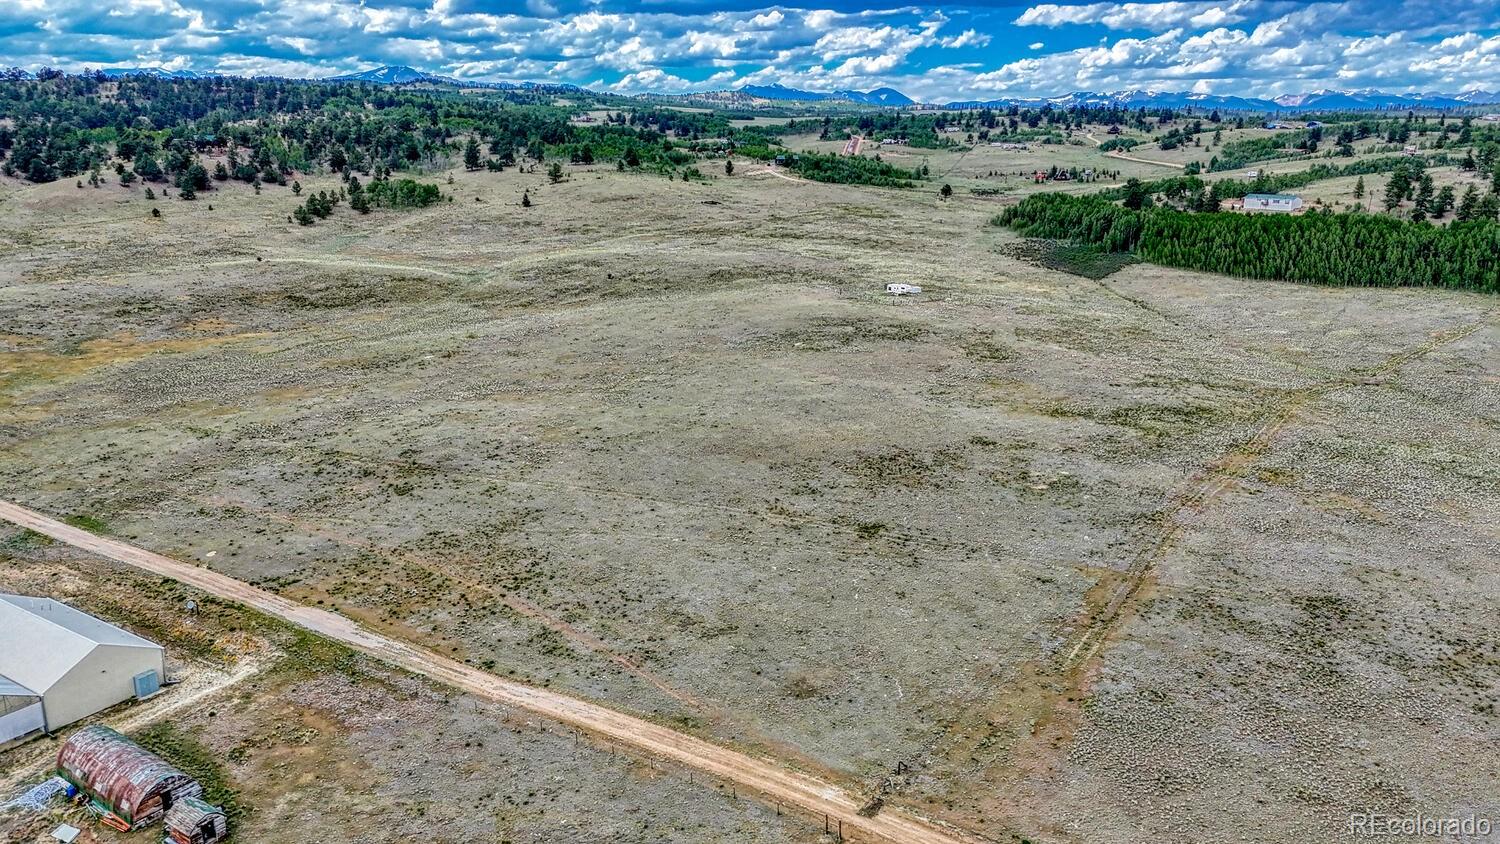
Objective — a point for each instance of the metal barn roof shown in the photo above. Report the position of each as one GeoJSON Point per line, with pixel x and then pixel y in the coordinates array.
{"type": "Point", "coordinates": [46, 638]}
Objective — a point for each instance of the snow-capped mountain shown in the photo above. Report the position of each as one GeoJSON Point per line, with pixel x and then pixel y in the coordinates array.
{"type": "Point", "coordinates": [879, 97]}
{"type": "Point", "coordinates": [158, 72]}
{"type": "Point", "coordinates": [392, 74]}
{"type": "Point", "coordinates": [1479, 97]}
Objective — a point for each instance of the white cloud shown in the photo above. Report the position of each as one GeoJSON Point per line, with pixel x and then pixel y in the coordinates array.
{"type": "Point", "coordinates": [1154, 17]}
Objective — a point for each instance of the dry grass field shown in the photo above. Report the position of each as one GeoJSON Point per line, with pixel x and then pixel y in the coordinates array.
{"type": "Point", "coordinates": [1162, 557]}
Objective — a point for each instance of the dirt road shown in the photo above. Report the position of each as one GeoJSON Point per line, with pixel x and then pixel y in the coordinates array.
{"type": "Point", "coordinates": [766, 779]}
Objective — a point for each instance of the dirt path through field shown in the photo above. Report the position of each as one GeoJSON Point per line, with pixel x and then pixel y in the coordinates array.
{"type": "Point", "coordinates": [1125, 157]}
{"type": "Point", "coordinates": [778, 174]}
{"type": "Point", "coordinates": [766, 779]}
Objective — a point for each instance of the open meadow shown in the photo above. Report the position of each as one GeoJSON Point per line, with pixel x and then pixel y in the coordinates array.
{"type": "Point", "coordinates": [1164, 556]}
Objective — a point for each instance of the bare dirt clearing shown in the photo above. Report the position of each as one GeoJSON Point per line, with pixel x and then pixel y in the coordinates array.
{"type": "Point", "coordinates": [665, 446]}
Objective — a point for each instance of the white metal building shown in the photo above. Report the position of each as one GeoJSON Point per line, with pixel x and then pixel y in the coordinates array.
{"type": "Point", "coordinates": [20, 711]}
{"type": "Point", "coordinates": [1272, 203]}
{"type": "Point", "coordinates": [76, 664]}
{"type": "Point", "coordinates": [896, 288]}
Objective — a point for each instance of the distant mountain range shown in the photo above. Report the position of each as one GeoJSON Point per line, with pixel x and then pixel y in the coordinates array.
{"type": "Point", "coordinates": [159, 73]}
{"type": "Point", "coordinates": [877, 97]}
{"type": "Point", "coordinates": [403, 75]}
{"type": "Point", "coordinates": [1323, 100]}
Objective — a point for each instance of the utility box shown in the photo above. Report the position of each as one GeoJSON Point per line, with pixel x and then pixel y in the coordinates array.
{"type": "Point", "coordinates": [147, 683]}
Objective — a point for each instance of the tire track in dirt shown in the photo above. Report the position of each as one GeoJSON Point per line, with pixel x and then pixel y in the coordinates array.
{"type": "Point", "coordinates": [766, 779]}
{"type": "Point", "coordinates": [1219, 476]}
{"type": "Point", "coordinates": [1050, 697]}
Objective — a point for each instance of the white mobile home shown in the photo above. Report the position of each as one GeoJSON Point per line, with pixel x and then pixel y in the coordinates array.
{"type": "Point", "coordinates": [898, 289]}
{"type": "Point", "coordinates": [1272, 203]}
{"type": "Point", "coordinates": [76, 664]}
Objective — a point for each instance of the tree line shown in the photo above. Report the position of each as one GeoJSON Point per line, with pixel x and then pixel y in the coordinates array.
{"type": "Point", "coordinates": [64, 126]}
{"type": "Point", "coordinates": [1341, 250]}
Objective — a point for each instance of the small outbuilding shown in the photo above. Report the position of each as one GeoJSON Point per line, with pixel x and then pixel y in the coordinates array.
{"type": "Point", "coordinates": [122, 777]}
{"type": "Point", "coordinates": [193, 821]}
{"type": "Point", "coordinates": [75, 663]}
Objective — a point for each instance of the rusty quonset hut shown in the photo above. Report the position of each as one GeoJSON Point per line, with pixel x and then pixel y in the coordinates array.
{"type": "Point", "coordinates": [122, 776]}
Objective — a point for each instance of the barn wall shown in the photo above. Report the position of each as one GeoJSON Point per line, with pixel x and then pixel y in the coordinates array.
{"type": "Point", "coordinates": [99, 681]}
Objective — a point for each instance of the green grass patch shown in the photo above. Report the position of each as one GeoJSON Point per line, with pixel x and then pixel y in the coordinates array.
{"type": "Point", "coordinates": [184, 750]}
{"type": "Point", "coordinates": [83, 521]}
{"type": "Point", "coordinates": [1080, 259]}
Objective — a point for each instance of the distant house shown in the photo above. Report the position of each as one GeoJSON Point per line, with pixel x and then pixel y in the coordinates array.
{"type": "Point", "coordinates": [897, 289]}
{"type": "Point", "coordinates": [76, 664]}
{"type": "Point", "coordinates": [1271, 203]}
{"type": "Point", "coordinates": [1114, 130]}
{"type": "Point", "coordinates": [1313, 124]}
{"type": "Point", "coordinates": [1408, 150]}
{"type": "Point", "coordinates": [1252, 174]}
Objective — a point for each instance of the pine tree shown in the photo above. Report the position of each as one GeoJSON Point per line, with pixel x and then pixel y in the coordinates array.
{"type": "Point", "coordinates": [1468, 206]}
{"type": "Point", "coordinates": [471, 154]}
{"type": "Point", "coordinates": [1443, 203]}
{"type": "Point", "coordinates": [1396, 189]}
{"type": "Point", "coordinates": [525, 199]}
{"type": "Point", "coordinates": [1359, 188]}
{"type": "Point", "coordinates": [1423, 200]}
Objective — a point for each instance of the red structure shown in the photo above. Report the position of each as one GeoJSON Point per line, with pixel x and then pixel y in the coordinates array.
{"type": "Point", "coordinates": [122, 777]}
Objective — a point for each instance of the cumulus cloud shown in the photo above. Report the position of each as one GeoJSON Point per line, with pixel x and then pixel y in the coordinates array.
{"type": "Point", "coordinates": [1232, 46]}
{"type": "Point", "coordinates": [1144, 16]}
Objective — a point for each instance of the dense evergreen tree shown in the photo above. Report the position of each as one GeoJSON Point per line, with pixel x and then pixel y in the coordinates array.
{"type": "Point", "coordinates": [1343, 249]}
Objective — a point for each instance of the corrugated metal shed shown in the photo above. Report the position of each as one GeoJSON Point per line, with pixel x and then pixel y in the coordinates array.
{"type": "Point", "coordinates": [122, 776]}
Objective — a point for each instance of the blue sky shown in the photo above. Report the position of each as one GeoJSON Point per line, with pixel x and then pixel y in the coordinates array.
{"type": "Point", "coordinates": [932, 52]}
